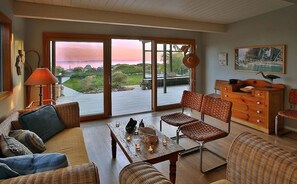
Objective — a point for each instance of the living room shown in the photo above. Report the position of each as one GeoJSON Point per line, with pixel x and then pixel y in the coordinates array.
{"type": "Point", "coordinates": [271, 28]}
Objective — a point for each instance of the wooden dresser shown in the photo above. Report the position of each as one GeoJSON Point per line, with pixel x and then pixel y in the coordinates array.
{"type": "Point", "coordinates": [257, 108]}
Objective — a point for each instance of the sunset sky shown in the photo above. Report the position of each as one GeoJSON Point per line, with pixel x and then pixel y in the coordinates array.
{"type": "Point", "coordinates": [122, 50]}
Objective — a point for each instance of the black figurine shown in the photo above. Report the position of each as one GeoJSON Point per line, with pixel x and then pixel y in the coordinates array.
{"type": "Point", "coordinates": [141, 124]}
{"type": "Point", "coordinates": [131, 126]}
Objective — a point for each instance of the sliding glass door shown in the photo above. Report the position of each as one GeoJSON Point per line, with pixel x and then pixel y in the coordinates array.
{"type": "Point", "coordinates": [171, 77]}
{"type": "Point", "coordinates": [79, 68]}
{"type": "Point", "coordinates": [131, 76]}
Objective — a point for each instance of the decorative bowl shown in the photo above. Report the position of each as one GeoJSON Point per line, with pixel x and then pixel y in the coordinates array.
{"type": "Point", "coordinates": [148, 135]}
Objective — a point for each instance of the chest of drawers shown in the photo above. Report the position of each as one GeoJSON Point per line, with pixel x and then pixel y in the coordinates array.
{"type": "Point", "coordinates": [256, 109]}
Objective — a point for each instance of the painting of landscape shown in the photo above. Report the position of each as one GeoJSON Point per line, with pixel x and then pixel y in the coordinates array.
{"type": "Point", "coordinates": [261, 58]}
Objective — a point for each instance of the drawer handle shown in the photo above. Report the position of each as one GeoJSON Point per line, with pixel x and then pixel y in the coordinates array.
{"type": "Point", "coordinates": [259, 94]}
{"type": "Point", "coordinates": [258, 111]}
{"type": "Point", "coordinates": [225, 89]}
{"type": "Point", "coordinates": [226, 95]}
{"type": "Point", "coordinates": [258, 121]}
{"type": "Point", "coordinates": [258, 103]}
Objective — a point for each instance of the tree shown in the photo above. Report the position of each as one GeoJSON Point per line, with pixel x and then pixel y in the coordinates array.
{"type": "Point", "coordinates": [60, 70]}
{"type": "Point", "coordinates": [118, 79]}
{"type": "Point", "coordinates": [78, 69]}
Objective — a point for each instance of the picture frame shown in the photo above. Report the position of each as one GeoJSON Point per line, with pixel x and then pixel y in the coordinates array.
{"type": "Point", "coordinates": [268, 58]}
{"type": "Point", "coordinates": [223, 58]}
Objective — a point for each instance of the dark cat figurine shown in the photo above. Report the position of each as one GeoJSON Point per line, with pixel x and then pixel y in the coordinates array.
{"type": "Point", "coordinates": [131, 125]}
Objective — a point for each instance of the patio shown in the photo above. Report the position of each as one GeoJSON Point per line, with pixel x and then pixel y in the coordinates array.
{"type": "Point", "coordinates": [123, 102]}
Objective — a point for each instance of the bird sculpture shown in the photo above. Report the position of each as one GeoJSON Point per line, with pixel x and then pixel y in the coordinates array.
{"type": "Point", "coordinates": [269, 76]}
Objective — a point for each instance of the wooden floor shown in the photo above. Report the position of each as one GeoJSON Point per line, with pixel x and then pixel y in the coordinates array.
{"type": "Point", "coordinates": [98, 144]}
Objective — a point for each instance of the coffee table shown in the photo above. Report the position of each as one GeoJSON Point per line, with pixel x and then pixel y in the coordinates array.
{"type": "Point", "coordinates": [161, 153]}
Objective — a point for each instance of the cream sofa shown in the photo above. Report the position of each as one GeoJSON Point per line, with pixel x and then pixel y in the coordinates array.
{"type": "Point", "coordinates": [251, 160]}
{"type": "Point", "coordinates": [70, 141]}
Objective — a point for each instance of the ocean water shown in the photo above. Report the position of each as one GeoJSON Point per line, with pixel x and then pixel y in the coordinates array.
{"type": "Point", "coordinates": [93, 63]}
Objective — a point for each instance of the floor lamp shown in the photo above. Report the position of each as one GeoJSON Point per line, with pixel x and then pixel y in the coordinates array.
{"type": "Point", "coordinates": [40, 77]}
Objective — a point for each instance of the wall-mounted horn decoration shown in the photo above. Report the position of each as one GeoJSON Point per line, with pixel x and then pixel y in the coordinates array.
{"type": "Point", "coordinates": [190, 60]}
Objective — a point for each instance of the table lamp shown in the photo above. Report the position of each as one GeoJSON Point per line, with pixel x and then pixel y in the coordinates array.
{"type": "Point", "coordinates": [41, 76]}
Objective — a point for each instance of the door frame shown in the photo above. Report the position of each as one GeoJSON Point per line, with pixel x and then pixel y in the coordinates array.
{"type": "Point", "coordinates": [48, 37]}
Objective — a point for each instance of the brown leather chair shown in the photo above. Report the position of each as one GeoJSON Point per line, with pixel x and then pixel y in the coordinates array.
{"type": "Point", "coordinates": [288, 113]}
{"type": "Point", "coordinates": [202, 132]}
{"type": "Point", "coordinates": [191, 100]}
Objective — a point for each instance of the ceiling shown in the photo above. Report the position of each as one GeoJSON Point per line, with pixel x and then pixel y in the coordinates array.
{"type": "Point", "coordinates": [211, 11]}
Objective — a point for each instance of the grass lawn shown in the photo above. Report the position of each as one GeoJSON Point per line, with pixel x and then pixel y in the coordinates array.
{"type": "Point", "coordinates": [85, 85]}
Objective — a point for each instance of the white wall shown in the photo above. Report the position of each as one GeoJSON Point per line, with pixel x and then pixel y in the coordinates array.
{"type": "Point", "coordinates": [16, 100]}
{"type": "Point", "coordinates": [277, 27]}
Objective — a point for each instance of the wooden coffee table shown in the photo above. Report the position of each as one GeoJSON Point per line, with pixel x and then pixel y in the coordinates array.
{"type": "Point", "coordinates": [161, 153]}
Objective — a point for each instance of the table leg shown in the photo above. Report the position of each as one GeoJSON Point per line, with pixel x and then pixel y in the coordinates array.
{"type": "Point", "coordinates": [172, 169]}
{"type": "Point", "coordinates": [113, 146]}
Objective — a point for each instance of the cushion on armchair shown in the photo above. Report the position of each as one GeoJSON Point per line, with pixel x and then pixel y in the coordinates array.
{"type": "Point", "coordinates": [29, 164]}
{"type": "Point", "coordinates": [43, 121]}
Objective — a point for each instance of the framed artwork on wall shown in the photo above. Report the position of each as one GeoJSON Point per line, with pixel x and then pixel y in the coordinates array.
{"type": "Point", "coordinates": [270, 58]}
{"type": "Point", "coordinates": [223, 58]}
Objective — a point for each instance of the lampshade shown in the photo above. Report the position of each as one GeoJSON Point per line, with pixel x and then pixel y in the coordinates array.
{"type": "Point", "coordinates": [41, 76]}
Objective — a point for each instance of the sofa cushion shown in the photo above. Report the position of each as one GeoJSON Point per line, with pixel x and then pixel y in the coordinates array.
{"type": "Point", "coordinates": [29, 164]}
{"type": "Point", "coordinates": [71, 143]}
{"type": "Point", "coordinates": [31, 140]}
{"type": "Point", "coordinates": [7, 172]}
{"type": "Point", "coordinates": [43, 121]}
{"type": "Point", "coordinates": [11, 147]}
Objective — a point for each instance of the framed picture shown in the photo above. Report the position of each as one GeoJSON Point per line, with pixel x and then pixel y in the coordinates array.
{"type": "Point", "coordinates": [223, 58]}
{"type": "Point", "coordinates": [269, 58]}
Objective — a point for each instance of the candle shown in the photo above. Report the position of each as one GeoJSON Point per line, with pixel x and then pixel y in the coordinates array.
{"type": "Point", "coordinates": [136, 132]}
{"type": "Point", "coordinates": [164, 141]}
{"type": "Point", "coordinates": [137, 146]}
{"type": "Point", "coordinates": [128, 138]}
{"type": "Point", "coordinates": [150, 149]}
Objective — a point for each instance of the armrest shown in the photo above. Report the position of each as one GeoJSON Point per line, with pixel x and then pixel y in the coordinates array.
{"type": "Point", "coordinates": [85, 173]}
{"type": "Point", "coordinates": [250, 154]}
{"type": "Point", "coordinates": [69, 114]}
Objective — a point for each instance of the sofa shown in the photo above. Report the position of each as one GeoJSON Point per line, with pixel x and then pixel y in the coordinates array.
{"type": "Point", "coordinates": [70, 142]}
{"type": "Point", "coordinates": [251, 159]}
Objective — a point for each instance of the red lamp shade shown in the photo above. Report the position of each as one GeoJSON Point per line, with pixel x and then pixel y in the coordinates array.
{"type": "Point", "coordinates": [41, 76]}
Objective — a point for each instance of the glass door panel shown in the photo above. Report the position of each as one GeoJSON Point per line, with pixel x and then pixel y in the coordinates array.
{"type": "Point", "coordinates": [173, 77]}
{"type": "Point", "coordinates": [131, 76]}
{"type": "Point", "coordinates": [79, 69]}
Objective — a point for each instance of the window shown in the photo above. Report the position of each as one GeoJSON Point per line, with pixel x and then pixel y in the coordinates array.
{"type": "Point", "coordinates": [5, 56]}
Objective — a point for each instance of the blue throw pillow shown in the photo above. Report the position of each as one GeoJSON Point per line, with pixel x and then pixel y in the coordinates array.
{"type": "Point", "coordinates": [6, 172]}
{"type": "Point", "coordinates": [43, 121]}
{"type": "Point", "coordinates": [29, 164]}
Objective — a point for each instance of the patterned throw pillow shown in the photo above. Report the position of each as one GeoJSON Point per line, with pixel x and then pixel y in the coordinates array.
{"type": "Point", "coordinates": [44, 122]}
{"type": "Point", "coordinates": [11, 147]}
{"type": "Point", "coordinates": [29, 164]}
{"type": "Point", "coordinates": [6, 172]}
{"type": "Point", "coordinates": [29, 139]}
